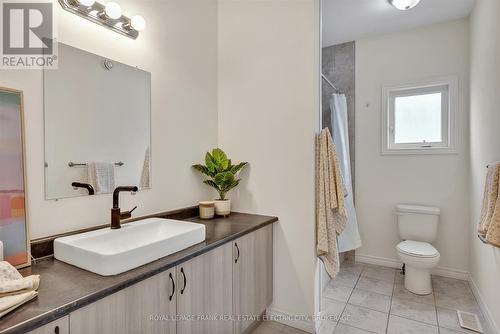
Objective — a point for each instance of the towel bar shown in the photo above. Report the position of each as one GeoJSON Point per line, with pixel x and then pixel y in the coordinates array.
{"type": "Point", "coordinates": [72, 164]}
{"type": "Point", "coordinates": [492, 163]}
{"type": "Point", "coordinates": [483, 239]}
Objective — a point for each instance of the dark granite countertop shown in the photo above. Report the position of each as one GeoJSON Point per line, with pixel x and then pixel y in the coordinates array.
{"type": "Point", "coordinates": [65, 288]}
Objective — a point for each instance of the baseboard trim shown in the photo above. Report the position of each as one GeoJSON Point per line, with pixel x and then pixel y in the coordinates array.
{"type": "Point", "coordinates": [378, 261]}
{"type": "Point", "coordinates": [391, 263]}
{"type": "Point", "coordinates": [290, 319]}
{"type": "Point", "coordinates": [451, 273]}
{"type": "Point", "coordinates": [486, 311]}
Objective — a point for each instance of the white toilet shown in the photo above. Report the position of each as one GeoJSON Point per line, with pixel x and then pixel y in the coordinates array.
{"type": "Point", "coordinates": [418, 228]}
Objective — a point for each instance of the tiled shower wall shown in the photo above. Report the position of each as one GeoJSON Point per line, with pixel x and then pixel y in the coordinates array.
{"type": "Point", "coordinates": [338, 65]}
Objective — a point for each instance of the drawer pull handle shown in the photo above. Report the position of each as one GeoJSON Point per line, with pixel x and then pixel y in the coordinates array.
{"type": "Point", "coordinates": [56, 330]}
{"type": "Point", "coordinates": [173, 287]}
{"type": "Point", "coordinates": [185, 282]}
{"type": "Point", "coordinates": [238, 254]}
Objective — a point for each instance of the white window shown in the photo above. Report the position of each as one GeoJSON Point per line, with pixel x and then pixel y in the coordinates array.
{"type": "Point", "coordinates": [420, 118]}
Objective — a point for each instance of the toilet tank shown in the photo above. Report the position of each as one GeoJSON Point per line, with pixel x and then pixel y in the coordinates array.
{"type": "Point", "coordinates": [418, 223]}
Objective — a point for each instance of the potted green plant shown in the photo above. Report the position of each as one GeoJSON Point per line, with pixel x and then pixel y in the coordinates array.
{"type": "Point", "coordinates": [222, 176]}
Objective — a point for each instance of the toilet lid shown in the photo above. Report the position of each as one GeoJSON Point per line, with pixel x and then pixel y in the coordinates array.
{"type": "Point", "coordinates": [417, 248]}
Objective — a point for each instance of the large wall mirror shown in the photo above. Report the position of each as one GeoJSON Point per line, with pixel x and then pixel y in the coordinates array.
{"type": "Point", "coordinates": [97, 125]}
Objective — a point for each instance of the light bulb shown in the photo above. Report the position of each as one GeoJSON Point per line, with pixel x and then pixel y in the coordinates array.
{"type": "Point", "coordinates": [87, 3]}
{"type": "Point", "coordinates": [138, 23]}
{"type": "Point", "coordinates": [404, 4]}
{"type": "Point", "coordinates": [113, 10]}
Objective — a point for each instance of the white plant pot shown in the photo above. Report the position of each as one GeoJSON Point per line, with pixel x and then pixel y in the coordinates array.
{"type": "Point", "coordinates": [222, 207]}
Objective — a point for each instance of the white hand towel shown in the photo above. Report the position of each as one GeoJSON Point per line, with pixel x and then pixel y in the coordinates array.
{"type": "Point", "coordinates": [101, 175]}
{"type": "Point", "coordinates": [9, 303]}
{"type": "Point", "coordinates": [15, 289]}
{"type": "Point", "coordinates": [12, 282]}
{"type": "Point", "coordinates": [144, 183]}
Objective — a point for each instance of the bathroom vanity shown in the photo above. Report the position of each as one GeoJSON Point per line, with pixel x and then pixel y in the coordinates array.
{"type": "Point", "coordinates": [200, 289]}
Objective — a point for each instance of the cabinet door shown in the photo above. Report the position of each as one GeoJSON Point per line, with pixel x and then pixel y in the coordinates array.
{"type": "Point", "coordinates": [145, 307]}
{"type": "Point", "coordinates": [59, 326]}
{"type": "Point", "coordinates": [252, 276]}
{"type": "Point", "coordinates": [205, 292]}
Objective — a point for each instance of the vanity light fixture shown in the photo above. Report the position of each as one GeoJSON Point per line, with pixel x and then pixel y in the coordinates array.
{"type": "Point", "coordinates": [87, 3]}
{"type": "Point", "coordinates": [404, 4]}
{"type": "Point", "coordinates": [138, 23]}
{"type": "Point", "coordinates": [108, 15]}
{"type": "Point", "coordinates": [112, 10]}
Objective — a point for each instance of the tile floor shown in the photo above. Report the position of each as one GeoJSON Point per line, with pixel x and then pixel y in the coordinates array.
{"type": "Point", "coordinates": [371, 299]}
{"type": "Point", "coordinates": [271, 327]}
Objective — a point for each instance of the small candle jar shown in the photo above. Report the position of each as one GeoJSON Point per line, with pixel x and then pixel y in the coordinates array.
{"type": "Point", "coordinates": [207, 210]}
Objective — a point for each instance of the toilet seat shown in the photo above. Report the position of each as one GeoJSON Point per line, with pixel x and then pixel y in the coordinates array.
{"type": "Point", "coordinates": [417, 249]}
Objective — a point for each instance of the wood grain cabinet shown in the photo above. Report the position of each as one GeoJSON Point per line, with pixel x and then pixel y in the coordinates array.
{"type": "Point", "coordinates": [198, 296]}
{"type": "Point", "coordinates": [59, 326]}
{"type": "Point", "coordinates": [252, 276]}
{"type": "Point", "coordinates": [145, 307]}
{"type": "Point", "coordinates": [204, 296]}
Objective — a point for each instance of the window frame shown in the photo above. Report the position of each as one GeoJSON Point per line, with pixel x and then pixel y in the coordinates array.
{"type": "Point", "coordinates": [447, 86]}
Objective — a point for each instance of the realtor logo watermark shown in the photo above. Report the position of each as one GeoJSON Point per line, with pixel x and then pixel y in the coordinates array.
{"type": "Point", "coordinates": [28, 40]}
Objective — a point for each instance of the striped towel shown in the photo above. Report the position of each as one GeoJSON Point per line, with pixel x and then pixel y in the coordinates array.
{"type": "Point", "coordinates": [331, 213]}
{"type": "Point", "coordinates": [490, 198]}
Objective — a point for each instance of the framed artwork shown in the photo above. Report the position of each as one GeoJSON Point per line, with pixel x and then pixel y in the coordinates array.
{"type": "Point", "coordinates": [13, 218]}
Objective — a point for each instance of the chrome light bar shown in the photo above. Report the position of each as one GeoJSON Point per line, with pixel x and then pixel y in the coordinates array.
{"type": "Point", "coordinates": [97, 13]}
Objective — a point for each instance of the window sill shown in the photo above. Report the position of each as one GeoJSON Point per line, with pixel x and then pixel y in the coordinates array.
{"type": "Point", "coordinates": [420, 151]}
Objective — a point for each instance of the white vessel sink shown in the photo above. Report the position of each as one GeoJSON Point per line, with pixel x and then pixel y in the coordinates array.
{"type": "Point", "coordinates": [110, 252]}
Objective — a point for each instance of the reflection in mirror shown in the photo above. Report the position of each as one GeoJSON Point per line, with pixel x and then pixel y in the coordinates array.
{"type": "Point", "coordinates": [97, 125]}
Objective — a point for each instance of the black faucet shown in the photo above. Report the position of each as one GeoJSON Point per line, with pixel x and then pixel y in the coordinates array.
{"type": "Point", "coordinates": [87, 186]}
{"type": "Point", "coordinates": [116, 215]}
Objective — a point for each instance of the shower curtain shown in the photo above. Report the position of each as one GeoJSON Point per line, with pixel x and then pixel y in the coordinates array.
{"type": "Point", "coordinates": [349, 239]}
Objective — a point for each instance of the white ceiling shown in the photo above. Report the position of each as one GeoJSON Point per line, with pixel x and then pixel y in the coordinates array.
{"type": "Point", "coordinates": [349, 20]}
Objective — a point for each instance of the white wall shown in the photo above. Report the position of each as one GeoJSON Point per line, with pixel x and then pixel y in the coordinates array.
{"type": "Point", "coordinates": [485, 142]}
{"type": "Point", "coordinates": [267, 116]}
{"type": "Point", "coordinates": [179, 48]}
{"type": "Point", "coordinates": [384, 181]}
